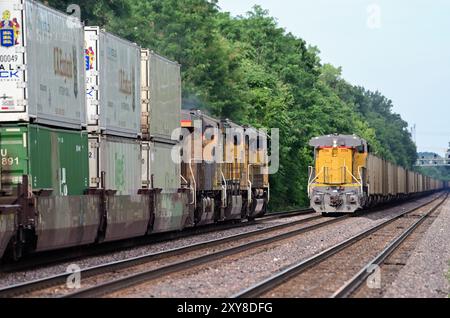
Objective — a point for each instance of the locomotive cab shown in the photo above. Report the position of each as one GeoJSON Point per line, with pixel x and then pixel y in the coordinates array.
{"type": "Point", "coordinates": [257, 177]}
{"type": "Point", "coordinates": [200, 170]}
{"type": "Point", "coordinates": [337, 181]}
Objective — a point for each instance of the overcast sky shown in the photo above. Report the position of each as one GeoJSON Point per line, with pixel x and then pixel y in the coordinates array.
{"type": "Point", "coordinates": [399, 47]}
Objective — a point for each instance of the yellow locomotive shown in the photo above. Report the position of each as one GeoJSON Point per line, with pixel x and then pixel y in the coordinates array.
{"type": "Point", "coordinates": [347, 177]}
{"type": "Point", "coordinates": [225, 166]}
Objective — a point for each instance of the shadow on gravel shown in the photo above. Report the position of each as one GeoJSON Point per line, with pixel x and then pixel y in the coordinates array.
{"type": "Point", "coordinates": [381, 212]}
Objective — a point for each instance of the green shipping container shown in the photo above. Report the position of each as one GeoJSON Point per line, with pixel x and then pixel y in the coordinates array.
{"type": "Point", "coordinates": [54, 159]}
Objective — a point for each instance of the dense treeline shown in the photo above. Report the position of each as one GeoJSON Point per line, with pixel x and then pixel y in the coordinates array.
{"type": "Point", "coordinates": [442, 173]}
{"type": "Point", "coordinates": [252, 71]}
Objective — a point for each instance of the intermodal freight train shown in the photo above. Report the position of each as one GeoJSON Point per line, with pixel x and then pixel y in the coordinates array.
{"type": "Point", "coordinates": [95, 148]}
{"type": "Point", "coordinates": [347, 177]}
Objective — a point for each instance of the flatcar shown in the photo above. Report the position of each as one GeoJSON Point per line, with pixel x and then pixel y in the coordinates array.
{"type": "Point", "coordinates": [347, 177]}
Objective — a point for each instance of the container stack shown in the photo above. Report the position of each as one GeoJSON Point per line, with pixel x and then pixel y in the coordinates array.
{"type": "Point", "coordinates": [113, 112]}
{"type": "Point", "coordinates": [82, 140]}
{"type": "Point", "coordinates": [160, 124]}
{"type": "Point", "coordinates": [42, 101]}
{"type": "Point", "coordinates": [113, 90]}
{"type": "Point", "coordinates": [160, 121]}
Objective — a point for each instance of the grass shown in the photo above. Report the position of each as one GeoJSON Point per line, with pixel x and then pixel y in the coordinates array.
{"type": "Point", "coordinates": [448, 276]}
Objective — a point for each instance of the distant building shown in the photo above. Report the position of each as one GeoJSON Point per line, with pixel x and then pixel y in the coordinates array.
{"type": "Point", "coordinates": [447, 155]}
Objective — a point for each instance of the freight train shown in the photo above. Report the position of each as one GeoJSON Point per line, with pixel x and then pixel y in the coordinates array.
{"type": "Point", "coordinates": [347, 177]}
{"type": "Point", "coordinates": [95, 147]}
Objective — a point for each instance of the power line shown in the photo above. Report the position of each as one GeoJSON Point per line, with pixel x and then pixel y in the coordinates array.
{"type": "Point", "coordinates": [430, 133]}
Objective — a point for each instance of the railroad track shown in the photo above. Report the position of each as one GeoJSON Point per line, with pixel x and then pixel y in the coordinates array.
{"type": "Point", "coordinates": [286, 214]}
{"type": "Point", "coordinates": [314, 277]}
{"type": "Point", "coordinates": [34, 288]}
{"type": "Point", "coordinates": [76, 253]}
{"type": "Point", "coordinates": [193, 255]}
{"type": "Point", "coordinates": [120, 284]}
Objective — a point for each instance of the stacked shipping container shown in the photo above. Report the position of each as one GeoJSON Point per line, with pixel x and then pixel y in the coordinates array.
{"type": "Point", "coordinates": [70, 120]}
{"type": "Point", "coordinates": [131, 122]}
{"type": "Point", "coordinates": [160, 123]}
{"type": "Point", "coordinates": [113, 110]}
{"type": "Point", "coordinates": [43, 125]}
{"type": "Point", "coordinates": [113, 91]}
{"type": "Point", "coordinates": [112, 84]}
{"type": "Point", "coordinates": [42, 109]}
{"type": "Point", "coordinates": [161, 97]}
{"type": "Point", "coordinates": [55, 158]}
{"type": "Point", "coordinates": [41, 66]}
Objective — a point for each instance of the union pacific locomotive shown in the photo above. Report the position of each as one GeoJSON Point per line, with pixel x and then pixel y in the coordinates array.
{"type": "Point", "coordinates": [347, 177]}
{"type": "Point", "coordinates": [227, 173]}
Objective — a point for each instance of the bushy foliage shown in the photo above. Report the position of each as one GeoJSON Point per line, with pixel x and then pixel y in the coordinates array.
{"type": "Point", "coordinates": [252, 71]}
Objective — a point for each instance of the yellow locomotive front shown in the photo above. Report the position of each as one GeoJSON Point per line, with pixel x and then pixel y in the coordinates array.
{"type": "Point", "coordinates": [336, 182]}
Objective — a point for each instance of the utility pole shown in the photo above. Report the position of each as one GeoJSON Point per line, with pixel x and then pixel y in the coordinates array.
{"type": "Point", "coordinates": [447, 154]}
{"type": "Point", "coordinates": [413, 133]}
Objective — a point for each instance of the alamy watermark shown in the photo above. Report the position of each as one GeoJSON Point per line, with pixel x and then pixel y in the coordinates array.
{"type": "Point", "coordinates": [74, 279]}
{"type": "Point", "coordinates": [74, 19]}
{"type": "Point", "coordinates": [374, 279]}
{"type": "Point", "coordinates": [374, 16]}
{"type": "Point", "coordinates": [235, 145]}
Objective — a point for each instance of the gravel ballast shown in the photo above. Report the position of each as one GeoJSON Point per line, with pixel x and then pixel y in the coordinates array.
{"type": "Point", "coordinates": [233, 273]}
{"type": "Point", "coordinates": [426, 273]}
{"type": "Point", "coordinates": [229, 276]}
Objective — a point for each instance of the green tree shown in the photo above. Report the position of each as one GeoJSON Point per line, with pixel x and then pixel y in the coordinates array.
{"type": "Point", "coordinates": [249, 69]}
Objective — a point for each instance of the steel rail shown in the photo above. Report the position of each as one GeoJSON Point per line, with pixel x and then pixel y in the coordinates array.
{"type": "Point", "coordinates": [355, 282]}
{"type": "Point", "coordinates": [26, 287]}
{"type": "Point", "coordinates": [292, 271]}
{"type": "Point", "coordinates": [134, 279]}
{"type": "Point", "coordinates": [286, 214]}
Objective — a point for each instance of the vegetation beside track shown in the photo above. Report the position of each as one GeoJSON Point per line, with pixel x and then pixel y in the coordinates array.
{"type": "Point", "coordinates": [251, 70]}
{"type": "Point", "coordinates": [448, 276]}
{"type": "Point", "coordinates": [436, 172]}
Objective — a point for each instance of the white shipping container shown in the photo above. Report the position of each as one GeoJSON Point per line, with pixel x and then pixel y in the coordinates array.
{"type": "Point", "coordinates": [41, 65]}
{"type": "Point", "coordinates": [119, 160]}
{"type": "Point", "coordinates": [113, 84]}
{"type": "Point", "coordinates": [159, 170]}
{"type": "Point", "coordinates": [161, 96]}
